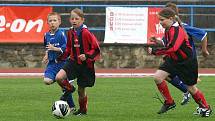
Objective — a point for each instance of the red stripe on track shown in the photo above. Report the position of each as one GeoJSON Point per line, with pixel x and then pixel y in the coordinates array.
{"type": "Point", "coordinates": [40, 70]}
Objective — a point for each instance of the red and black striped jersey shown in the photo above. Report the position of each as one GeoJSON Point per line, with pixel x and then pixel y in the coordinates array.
{"type": "Point", "coordinates": [83, 43]}
{"type": "Point", "coordinates": [177, 47]}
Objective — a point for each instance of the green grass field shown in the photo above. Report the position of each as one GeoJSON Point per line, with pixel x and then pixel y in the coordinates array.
{"type": "Point", "coordinates": [111, 99]}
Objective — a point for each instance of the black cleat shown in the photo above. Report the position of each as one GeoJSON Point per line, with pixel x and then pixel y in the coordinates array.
{"type": "Point", "coordinates": [186, 98]}
{"type": "Point", "coordinates": [80, 113]}
{"type": "Point", "coordinates": [166, 107]}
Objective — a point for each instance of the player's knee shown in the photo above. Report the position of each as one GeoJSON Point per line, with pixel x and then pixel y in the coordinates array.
{"type": "Point", "coordinates": [58, 77]}
{"type": "Point", "coordinates": [192, 89]}
{"type": "Point", "coordinates": [47, 81]}
{"type": "Point", "coordinates": [158, 79]}
{"type": "Point", "coordinates": [81, 92]}
{"type": "Point", "coordinates": [169, 79]}
{"type": "Point", "coordinates": [61, 75]}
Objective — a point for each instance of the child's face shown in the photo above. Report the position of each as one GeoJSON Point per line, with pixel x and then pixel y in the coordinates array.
{"type": "Point", "coordinates": [165, 22]}
{"type": "Point", "coordinates": [75, 20]}
{"type": "Point", "coordinates": [53, 22]}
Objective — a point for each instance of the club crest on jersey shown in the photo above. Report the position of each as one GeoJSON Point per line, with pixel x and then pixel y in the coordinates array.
{"type": "Point", "coordinates": [76, 45]}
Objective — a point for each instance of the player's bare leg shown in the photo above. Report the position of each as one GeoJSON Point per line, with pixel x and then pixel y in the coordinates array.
{"type": "Point", "coordinates": [61, 79]}
{"type": "Point", "coordinates": [48, 81]}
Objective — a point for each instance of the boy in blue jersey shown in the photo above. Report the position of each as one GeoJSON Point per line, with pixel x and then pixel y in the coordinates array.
{"type": "Point", "coordinates": [55, 43]}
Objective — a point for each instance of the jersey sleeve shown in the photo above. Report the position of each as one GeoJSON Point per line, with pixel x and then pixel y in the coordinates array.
{"type": "Point", "coordinates": [68, 45]}
{"type": "Point", "coordinates": [94, 52]}
{"type": "Point", "coordinates": [176, 39]}
{"type": "Point", "coordinates": [63, 42]}
{"type": "Point", "coordinates": [44, 40]}
{"type": "Point", "coordinates": [197, 33]}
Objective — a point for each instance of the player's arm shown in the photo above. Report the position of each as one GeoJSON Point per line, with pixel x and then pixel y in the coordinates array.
{"type": "Point", "coordinates": [62, 42]}
{"type": "Point", "coordinates": [53, 48]}
{"type": "Point", "coordinates": [67, 47]}
{"type": "Point", "coordinates": [45, 58]}
{"type": "Point", "coordinates": [94, 52]}
{"type": "Point", "coordinates": [200, 35]}
{"type": "Point", "coordinates": [62, 47]}
{"type": "Point", "coordinates": [205, 52]}
{"type": "Point", "coordinates": [177, 38]}
{"type": "Point", "coordinates": [156, 40]}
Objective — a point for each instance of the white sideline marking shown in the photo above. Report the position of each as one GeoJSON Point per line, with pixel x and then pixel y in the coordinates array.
{"type": "Point", "coordinates": [97, 74]}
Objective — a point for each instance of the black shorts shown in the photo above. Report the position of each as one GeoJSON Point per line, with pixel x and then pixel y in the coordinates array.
{"type": "Point", "coordinates": [85, 76]}
{"type": "Point", "coordinates": [187, 70]}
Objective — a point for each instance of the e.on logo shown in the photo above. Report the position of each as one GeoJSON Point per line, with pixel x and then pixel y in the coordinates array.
{"type": "Point", "coordinates": [20, 25]}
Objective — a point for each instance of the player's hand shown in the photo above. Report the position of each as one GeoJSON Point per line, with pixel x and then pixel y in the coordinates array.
{"type": "Point", "coordinates": [82, 57]}
{"type": "Point", "coordinates": [45, 59]}
{"type": "Point", "coordinates": [205, 53]}
{"type": "Point", "coordinates": [155, 40]}
{"type": "Point", "coordinates": [149, 50]}
{"type": "Point", "coordinates": [50, 47]}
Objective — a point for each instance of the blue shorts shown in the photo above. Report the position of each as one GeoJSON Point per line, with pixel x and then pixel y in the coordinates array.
{"type": "Point", "coordinates": [52, 69]}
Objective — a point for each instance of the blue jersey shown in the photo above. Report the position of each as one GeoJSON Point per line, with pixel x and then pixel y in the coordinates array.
{"type": "Point", "coordinates": [194, 34]}
{"type": "Point", "coordinates": [58, 39]}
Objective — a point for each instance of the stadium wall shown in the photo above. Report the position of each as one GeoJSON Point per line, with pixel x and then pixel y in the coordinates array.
{"type": "Point", "coordinates": [113, 56]}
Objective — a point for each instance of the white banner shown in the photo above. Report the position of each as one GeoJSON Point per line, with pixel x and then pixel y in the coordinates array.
{"type": "Point", "coordinates": [126, 25]}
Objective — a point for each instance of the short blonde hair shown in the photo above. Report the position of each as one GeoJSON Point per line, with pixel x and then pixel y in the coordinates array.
{"type": "Point", "coordinates": [54, 14]}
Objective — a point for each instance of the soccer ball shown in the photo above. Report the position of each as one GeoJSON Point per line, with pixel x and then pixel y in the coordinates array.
{"type": "Point", "coordinates": [60, 109]}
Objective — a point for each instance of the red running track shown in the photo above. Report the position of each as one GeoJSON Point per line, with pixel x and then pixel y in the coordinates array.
{"type": "Point", "coordinates": [147, 70]}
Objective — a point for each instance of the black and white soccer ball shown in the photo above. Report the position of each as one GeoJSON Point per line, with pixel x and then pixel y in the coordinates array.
{"type": "Point", "coordinates": [60, 109]}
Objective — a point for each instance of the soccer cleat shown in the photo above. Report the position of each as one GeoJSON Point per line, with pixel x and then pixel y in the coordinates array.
{"type": "Point", "coordinates": [72, 110]}
{"type": "Point", "coordinates": [166, 107]}
{"type": "Point", "coordinates": [66, 93]}
{"type": "Point", "coordinates": [80, 113]}
{"type": "Point", "coordinates": [71, 82]}
{"type": "Point", "coordinates": [204, 112]}
{"type": "Point", "coordinates": [186, 98]}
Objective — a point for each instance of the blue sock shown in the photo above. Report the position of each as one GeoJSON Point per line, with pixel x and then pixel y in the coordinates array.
{"type": "Point", "coordinates": [70, 101]}
{"type": "Point", "coordinates": [179, 84]}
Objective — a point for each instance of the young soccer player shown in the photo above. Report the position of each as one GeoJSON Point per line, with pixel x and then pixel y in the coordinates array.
{"type": "Point", "coordinates": [55, 43]}
{"type": "Point", "coordinates": [194, 34]}
{"type": "Point", "coordinates": [178, 61]}
{"type": "Point", "coordinates": [83, 49]}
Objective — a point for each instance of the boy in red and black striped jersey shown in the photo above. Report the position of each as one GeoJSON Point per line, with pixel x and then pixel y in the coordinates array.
{"type": "Point", "coordinates": [83, 50]}
{"type": "Point", "coordinates": [178, 61]}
